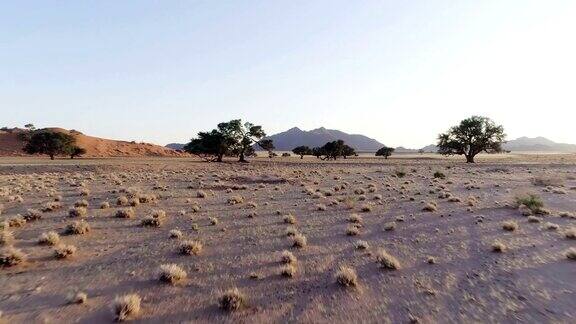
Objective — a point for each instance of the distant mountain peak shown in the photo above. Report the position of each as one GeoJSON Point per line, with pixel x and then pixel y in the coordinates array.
{"type": "Point", "coordinates": [287, 140]}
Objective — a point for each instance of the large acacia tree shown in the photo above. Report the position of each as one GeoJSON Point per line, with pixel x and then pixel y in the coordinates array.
{"type": "Point", "coordinates": [51, 143]}
{"type": "Point", "coordinates": [472, 136]}
{"type": "Point", "coordinates": [229, 138]}
{"type": "Point", "coordinates": [333, 150]}
{"type": "Point", "coordinates": [385, 152]}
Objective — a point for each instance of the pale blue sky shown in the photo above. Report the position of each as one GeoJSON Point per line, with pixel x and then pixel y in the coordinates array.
{"type": "Point", "coordinates": [398, 71]}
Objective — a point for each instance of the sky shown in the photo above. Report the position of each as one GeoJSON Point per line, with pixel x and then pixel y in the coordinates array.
{"type": "Point", "coordinates": [397, 71]}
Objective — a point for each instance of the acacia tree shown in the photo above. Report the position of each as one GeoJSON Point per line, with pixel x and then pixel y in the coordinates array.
{"type": "Point", "coordinates": [76, 151]}
{"type": "Point", "coordinates": [50, 143]}
{"type": "Point", "coordinates": [229, 138]}
{"type": "Point", "coordinates": [385, 152]}
{"type": "Point", "coordinates": [302, 150]}
{"type": "Point", "coordinates": [472, 136]}
{"type": "Point", "coordinates": [333, 150]}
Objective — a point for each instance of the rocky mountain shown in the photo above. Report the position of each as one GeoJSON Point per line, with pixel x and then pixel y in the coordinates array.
{"type": "Point", "coordinates": [293, 137]}
{"type": "Point", "coordinates": [12, 145]}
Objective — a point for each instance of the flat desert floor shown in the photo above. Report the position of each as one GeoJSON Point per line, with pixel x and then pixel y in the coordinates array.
{"type": "Point", "coordinates": [367, 240]}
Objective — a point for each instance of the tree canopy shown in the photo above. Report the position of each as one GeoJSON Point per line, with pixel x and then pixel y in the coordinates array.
{"type": "Point", "coordinates": [472, 136]}
{"type": "Point", "coordinates": [52, 143]}
{"type": "Point", "coordinates": [385, 152]}
{"type": "Point", "coordinates": [229, 138]}
{"type": "Point", "coordinates": [302, 150]}
{"type": "Point", "coordinates": [333, 150]}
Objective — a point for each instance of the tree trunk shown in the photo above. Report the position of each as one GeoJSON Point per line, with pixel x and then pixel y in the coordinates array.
{"type": "Point", "coordinates": [51, 157]}
{"type": "Point", "coordinates": [242, 158]}
{"type": "Point", "coordinates": [469, 158]}
{"type": "Point", "coordinates": [219, 158]}
{"type": "Point", "coordinates": [301, 157]}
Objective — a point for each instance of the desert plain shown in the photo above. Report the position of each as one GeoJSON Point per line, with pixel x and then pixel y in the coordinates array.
{"type": "Point", "coordinates": [415, 238]}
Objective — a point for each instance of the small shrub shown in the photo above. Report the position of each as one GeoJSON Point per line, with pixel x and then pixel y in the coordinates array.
{"type": "Point", "coordinates": [570, 233]}
{"type": "Point", "coordinates": [355, 218]}
{"type": "Point", "coordinates": [201, 194]}
{"type": "Point", "coordinates": [78, 212]}
{"type": "Point", "coordinates": [49, 238]}
{"type": "Point", "coordinates": [299, 241]}
{"type": "Point", "coordinates": [32, 215]}
{"type": "Point", "coordinates": [77, 298]}
{"type": "Point", "coordinates": [6, 237]}
{"type": "Point", "coordinates": [498, 247]}
{"type": "Point", "coordinates": [213, 221]}
{"type": "Point", "coordinates": [366, 208]}
{"type": "Point", "coordinates": [531, 201]}
{"type": "Point", "coordinates": [430, 207]}
{"type": "Point", "coordinates": [439, 175]}
{"type": "Point", "coordinates": [155, 220]}
{"type": "Point", "coordinates": [122, 201]}
{"type": "Point", "coordinates": [176, 234]}
{"type": "Point", "coordinates": [288, 270]}
{"type": "Point", "coordinates": [81, 203]}
{"type": "Point", "coordinates": [352, 230]}
{"type": "Point", "coordinates": [190, 248]}
{"type": "Point", "coordinates": [386, 260]}
{"type": "Point", "coordinates": [125, 213]}
{"type": "Point", "coordinates": [77, 228]}
{"type": "Point", "coordinates": [289, 219]}
{"type": "Point", "coordinates": [16, 221]}
{"type": "Point", "coordinates": [390, 226]}
{"type": "Point", "coordinates": [10, 257]}
{"type": "Point", "coordinates": [171, 273]}
{"type": "Point", "coordinates": [291, 231]}
{"type": "Point", "coordinates": [510, 226]}
{"type": "Point", "coordinates": [361, 245]}
{"type": "Point", "coordinates": [287, 257]}
{"type": "Point", "coordinates": [126, 306]}
{"type": "Point", "coordinates": [64, 251]}
{"type": "Point", "coordinates": [347, 277]}
{"type": "Point", "coordinates": [571, 254]}
{"type": "Point", "coordinates": [232, 300]}
{"type": "Point", "coordinates": [104, 205]}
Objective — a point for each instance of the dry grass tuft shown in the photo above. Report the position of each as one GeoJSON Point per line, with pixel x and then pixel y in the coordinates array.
{"type": "Point", "coordinates": [6, 237]}
{"type": "Point", "coordinates": [570, 233]}
{"type": "Point", "coordinates": [176, 234]}
{"type": "Point", "coordinates": [289, 219]}
{"type": "Point", "coordinates": [355, 218]}
{"type": "Point", "coordinates": [64, 251]}
{"type": "Point", "coordinates": [10, 257]}
{"type": "Point", "coordinates": [498, 247]}
{"type": "Point", "coordinates": [16, 221]}
{"type": "Point", "coordinates": [386, 260]}
{"type": "Point", "coordinates": [78, 212]}
{"type": "Point", "coordinates": [287, 257]}
{"type": "Point", "coordinates": [430, 207]}
{"type": "Point", "coordinates": [49, 238]}
{"type": "Point", "coordinates": [190, 248]}
{"type": "Point", "coordinates": [232, 300]}
{"type": "Point", "coordinates": [77, 298]}
{"type": "Point", "coordinates": [352, 230]}
{"type": "Point", "coordinates": [361, 245]}
{"type": "Point", "coordinates": [299, 241]}
{"type": "Point", "coordinates": [171, 273]}
{"type": "Point", "coordinates": [288, 270]}
{"type": "Point", "coordinates": [347, 277]}
{"type": "Point", "coordinates": [125, 213]}
{"type": "Point", "coordinates": [126, 306]}
{"type": "Point", "coordinates": [78, 228]}
{"type": "Point", "coordinates": [156, 219]}
{"type": "Point", "coordinates": [571, 254]}
{"type": "Point", "coordinates": [510, 226]}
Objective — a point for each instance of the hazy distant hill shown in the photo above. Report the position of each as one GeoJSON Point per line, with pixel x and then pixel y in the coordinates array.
{"type": "Point", "coordinates": [175, 146]}
{"type": "Point", "coordinates": [293, 137]}
{"type": "Point", "coordinates": [538, 144]}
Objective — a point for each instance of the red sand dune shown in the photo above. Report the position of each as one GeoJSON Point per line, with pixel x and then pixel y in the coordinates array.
{"type": "Point", "coordinates": [11, 145]}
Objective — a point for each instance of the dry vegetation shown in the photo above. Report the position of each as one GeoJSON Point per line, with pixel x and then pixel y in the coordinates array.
{"type": "Point", "coordinates": [360, 240]}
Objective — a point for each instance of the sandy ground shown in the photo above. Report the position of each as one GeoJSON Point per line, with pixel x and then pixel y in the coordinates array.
{"type": "Point", "coordinates": [532, 281]}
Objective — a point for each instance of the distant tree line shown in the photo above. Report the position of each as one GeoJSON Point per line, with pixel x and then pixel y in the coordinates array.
{"type": "Point", "coordinates": [50, 143]}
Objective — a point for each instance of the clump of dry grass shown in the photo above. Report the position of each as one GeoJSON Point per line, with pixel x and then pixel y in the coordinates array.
{"type": "Point", "coordinates": [534, 219]}
{"type": "Point", "coordinates": [190, 247]}
{"type": "Point", "coordinates": [51, 206]}
{"type": "Point", "coordinates": [78, 228]}
{"type": "Point", "coordinates": [171, 273]}
{"type": "Point", "coordinates": [213, 221]}
{"type": "Point", "coordinates": [366, 208]}
{"type": "Point", "coordinates": [32, 215]}
{"type": "Point", "coordinates": [571, 254]}
{"type": "Point", "coordinates": [390, 226]}
{"type": "Point", "coordinates": [6, 237]}
{"type": "Point", "coordinates": [291, 231]}
{"type": "Point", "coordinates": [104, 205]}
{"type": "Point", "coordinates": [288, 270]}
{"type": "Point", "coordinates": [510, 226]}
{"type": "Point", "coordinates": [10, 257]}
{"type": "Point", "coordinates": [321, 207]}
{"type": "Point", "coordinates": [126, 306]}
{"type": "Point", "coordinates": [346, 277]}
{"type": "Point", "coordinates": [387, 261]}
{"type": "Point", "coordinates": [361, 245]}
{"type": "Point", "coordinates": [78, 212]}
{"type": "Point", "coordinates": [232, 300]}
{"type": "Point", "coordinates": [201, 194]}
{"type": "Point", "coordinates": [49, 238]}
{"type": "Point", "coordinates": [531, 202]}
{"type": "Point", "coordinates": [570, 233]}
{"type": "Point", "coordinates": [290, 219]}
{"type": "Point", "coordinates": [299, 241]}
{"type": "Point", "coordinates": [431, 206]}
{"type": "Point", "coordinates": [16, 221]}
{"type": "Point", "coordinates": [64, 251]}
{"type": "Point", "coordinates": [122, 201]}
{"type": "Point", "coordinates": [287, 257]}
{"type": "Point", "coordinates": [235, 200]}
{"type": "Point", "coordinates": [176, 234]}
{"type": "Point", "coordinates": [81, 203]}
{"type": "Point", "coordinates": [551, 226]}
{"type": "Point", "coordinates": [77, 298]}
{"type": "Point", "coordinates": [498, 247]}
{"type": "Point", "coordinates": [355, 218]}
{"type": "Point", "coordinates": [352, 230]}
{"type": "Point", "coordinates": [156, 219]}
{"type": "Point", "coordinates": [125, 213]}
